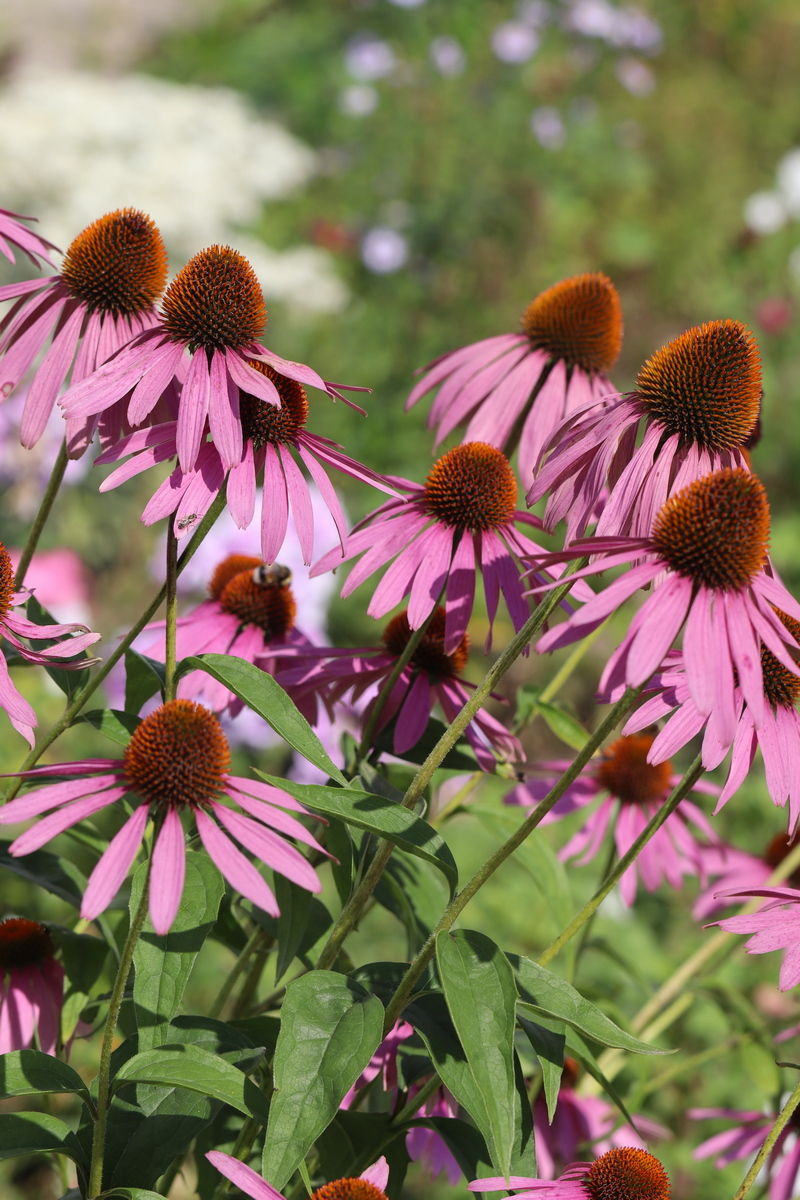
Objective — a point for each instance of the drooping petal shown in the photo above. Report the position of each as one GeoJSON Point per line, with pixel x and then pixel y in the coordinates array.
{"type": "Point", "coordinates": [168, 873]}
{"type": "Point", "coordinates": [238, 870]}
{"type": "Point", "coordinates": [107, 877]}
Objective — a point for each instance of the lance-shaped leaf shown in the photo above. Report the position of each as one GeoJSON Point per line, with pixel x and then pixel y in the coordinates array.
{"type": "Point", "coordinates": [70, 682]}
{"type": "Point", "coordinates": [544, 994]}
{"type": "Point", "coordinates": [39, 1133]}
{"type": "Point", "coordinates": [117, 725]}
{"type": "Point", "coordinates": [84, 959]}
{"type": "Point", "coordinates": [130, 1193]}
{"type": "Point", "coordinates": [330, 1028]}
{"type": "Point", "coordinates": [548, 1040]}
{"type": "Point", "coordinates": [32, 1073]}
{"type": "Point", "coordinates": [143, 678]}
{"type": "Point", "coordinates": [56, 875]}
{"type": "Point", "coordinates": [197, 1070]}
{"type": "Point", "coordinates": [479, 988]}
{"type": "Point", "coordinates": [162, 964]}
{"type": "Point", "coordinates": [376, 814]}
{"type": "Point", "coordinates": [259, 691]}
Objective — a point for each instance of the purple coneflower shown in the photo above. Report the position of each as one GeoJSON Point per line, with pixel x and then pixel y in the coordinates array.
{"type": "Point", "coordinates": [251, 610]}
{"type": "Point", "coordinates": [634, 792]}
{"type": "Point", "coordinates": [746, 1137]}
{"type": "Point", "coordinates": [624, 1173]}
{"type": "Point", "coordinates": [31, 986]}
{"type": "Point", "coordinates": [271, 435]}
{"type": "Point", "coordinates": [706, 558]}
{"type": "Point", "coordinates": [581, 1121]}
{"type": "Point", "coordinates": [438, 533]}
{"type": "Point", "coordinates": [571, 338]}
{"type": "Point", "coordinates": [776, 926]}
{"type": "Point", "coordinates": [430, 677]}
{"type": "Point", "coordinates": [24, 239]}
{"type": "Point", "coordinates": [214, 309]}
{"type": "Point", "coordinates": [112, 275]}
{"type": "Point", "coordinates": [731, 869]}
{"type": "Point", "coordinates": [177, 760]}
{"type": "Point", "coordinates": [12, 628]}
{"type": "Point", "coordinates": [777, 733]}
{"type": "Point", "coordinates": [698, 398]}
{"type": "Point", "coordinates": [369, 1186]}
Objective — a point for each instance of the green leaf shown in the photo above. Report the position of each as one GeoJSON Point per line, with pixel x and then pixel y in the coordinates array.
{"type": "Point", "coordinates": [84, 960]}
{"type": "Point", "coordinates": [56, 875]}
{"type": "Point", "coordinates": [129, 1193]}
{"type": "Point", "coordinates": [353, 1140]}
{"type": "Point", "coordinates": [544, 994]}
{"type": "Point", "coordinates": [259, 691]}
{"type": "Point", "coordinates": [330, 1028]}
{"type": "Point", "coordinates": [548, 1040]}
{"type": "Point", "coordinates": [39, 1133]}
{"type": "Point", "coordinates": [262, 1031]}
{"type": "Point", "coordinates": [563, 725]}
{"type": "Point", "coordinates": [143, 678]}
{"type": "Point", "coordinates": [295, 905]}
{"type": "Point", "coordinates": [376, 815]}
{"type": "Point", "coordinates": [116, 725]}
{"type": "Point", "coordinates": [416, 894]}
{"type": "Point", "coordinates": [339, 842]}
{"type": "Point", "coordinates": [460, 758]}
{"type": "Point", "coordinates": [479, 988]}
{"type": "Point", "coordinates": [70, 682]}
{"type": "Point", "coordinates": [162, 964]}
{"type": "Point", "coordinates": [197, 1070]}
{"type": "Point", "coordinates": [32, 1073]}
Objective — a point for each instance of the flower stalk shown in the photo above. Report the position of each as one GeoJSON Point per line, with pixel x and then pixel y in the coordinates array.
{"type": "Point", "coordinates": [40, 520]}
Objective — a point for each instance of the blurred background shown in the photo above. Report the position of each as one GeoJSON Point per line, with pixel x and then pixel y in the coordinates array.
{"type": "Point", "coordinates": [405, 176]}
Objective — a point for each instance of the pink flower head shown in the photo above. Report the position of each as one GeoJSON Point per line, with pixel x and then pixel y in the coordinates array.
{"type": "Point", "coordinates": [431, 677]}
{"type": "Point", "coordinates": [746, 1138]}
{"type": "Point", "coordinates": [31, 986]}
{"type": "Point", "coordinates": [369, 1186]}
{"type": "Point", "coordinates": [634, 792]}
{"type": "Point", "coordinates": [250, 611]}
{"type": "Point", "coordinates": [113, 273]}
{"type": "Point", "coordinates": [580, 1121]}
{"type": "Point", "coordinates": [777, 733]}
{"type": "Point", "coordinates": [214, 309]}
{"type": "Point", "coordinates": [24, 239]}
{"type": "Point", "coordinates": [272, 437]}
{"type": "Point", "coordinates": [12, 628]}
{"type": "Point", "coordinates": [706, 560]}
{"type": "Point", "coordinates": [698, 399]}
{"type": "Point", "coordinates": [177, 760]}
{"type": "Point", "coordinates": [776, 926]}
{"type": "Point", "coordinates": [438, 533]}
{"type": "Point", "coordinates": [619, 1174]}
{"type": "Point", "coordinates": [571, 338]}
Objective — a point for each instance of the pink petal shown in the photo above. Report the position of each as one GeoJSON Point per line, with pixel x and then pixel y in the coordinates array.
{"type": "Point", "coordinates": [193, 410]}
{"type": "Point", "coordinates": [274, 506]}
{"type": "Point", "coordinates": [168, 873]}
{"type": "Point", "coordinates": [269, 847]}
{"type": "Point", "coordinates": [223, 412]}
{"type": "Point", "coordinates": [301, 503]}
{"type": "Point", "coordinates": [238, 870]}
{"type": "Point", "coordinates": [107, 877]}
{"type": "Point", "coordinates": [243, 1176]}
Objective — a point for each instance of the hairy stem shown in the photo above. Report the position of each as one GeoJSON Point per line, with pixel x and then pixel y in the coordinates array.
{"type": "Point", "coordinates": [72, 710]}
{"type": "Point", "coordinates": [460, 901]}
{"type": "Point", "coordinates": [590, 908]}
{"type": "Point", "coordinates": [103, 1077]}
{"type": "Point", "coordinates": [40, 520]}
{"type": "Point", "coordinates": [170, 583]}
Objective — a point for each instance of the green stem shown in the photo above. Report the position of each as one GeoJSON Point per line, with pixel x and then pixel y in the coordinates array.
{"type": "Point", "coordinates": [664, 813]}
{"type": "Point", "coordinates": [40, 520]}
{"type": "Point", "coordinates": [170, 583]}
{"type": "Point", "coordinates": [781, 1122]}
{"type": "Point", "coordinates": [570, 663]}
{"type": "Point", "coordinates": [385, 692]}
{"type": "Point", "coordinates": [251, 980]}
{"type": "Point", "coordinates": [460, 901]}
{"type": "Point", "coordinates": [353, 909]}
{"type": "Point", "coordinates": [413, 1106]}
{"type": "Point", "coordinates": [103, 1077]}
{"type": "Point", "coordinates": [612, 853]}
{"type": "Point", "coordinates": [236, 970]}
{"type": "Point", "coordinates": [71, 712]}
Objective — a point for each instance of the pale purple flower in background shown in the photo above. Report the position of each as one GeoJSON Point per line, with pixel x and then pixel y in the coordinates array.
{"type": "Point", "coordinates": [358, 100]}
{"type": "Point", "coordinates": [257, 1188]}
{"type": "Point", "coordinates": [440, 534]}
{"type": "Point", "coordinates": [447, 55]}
{"type": "Point", "coordinates": [113, 272]}
{"type": "Point", "coordinates": [746, 1138]}
{"type": "Point", "coordinates": [697, 402]}
{"type": "Point", "coordinates": [547, 126]}
{"type": "Point", "coordinates": [369, 58]}
{"type": "Point", "coordinates": [635, 76]}
{"type": "Point", "coordinates": [272, 436]}
{"type": "Point", "coordinates": [214, 309]}
{"type": "Point", "coordinates": [13, 627]}
{"type": "Point", "coordinates": [633, 792]}
{"type": "Point", "coordinates": [627, 26]}
{"type": "Point", "coordinates": [35, 247]}
{"type": "Point", "coordinates": [31, 987]}
{"type": "Point", "coordinates": [514, 42]}
{"type": "Point", "coordinates": [705, 560]}
{"type": "Point", "coordinates": [384, 250]}
{"type": "Point", "coordinates": [176, 761]}
{"type": "Point", "coordinates": [571, 336]}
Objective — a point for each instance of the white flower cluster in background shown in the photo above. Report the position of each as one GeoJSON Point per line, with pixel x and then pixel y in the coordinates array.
{"type": "Point", "coordinates": [768, 211]}
{"type": "Point", "coordinates": [74, 145]}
